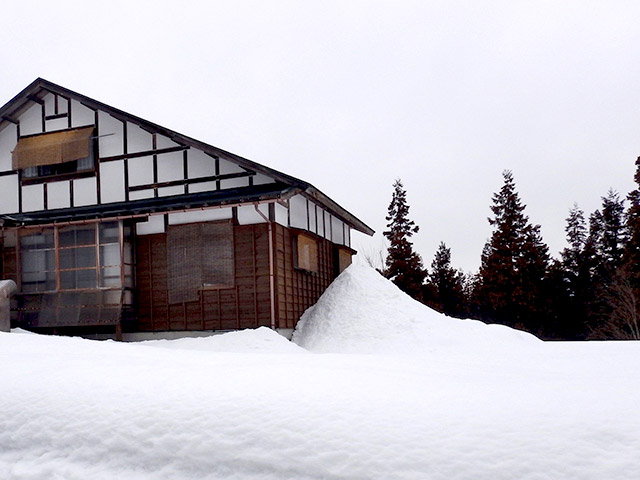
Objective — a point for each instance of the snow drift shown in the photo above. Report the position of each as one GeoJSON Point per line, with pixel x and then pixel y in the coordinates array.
{"type": "Point", "coordinates": [260, 340]}
{"type": "Point", "coordinates": [362, 312]}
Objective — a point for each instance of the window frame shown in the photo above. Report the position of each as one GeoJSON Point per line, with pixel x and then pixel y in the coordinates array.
{"type": "Point", "coordinates": [123, 240]}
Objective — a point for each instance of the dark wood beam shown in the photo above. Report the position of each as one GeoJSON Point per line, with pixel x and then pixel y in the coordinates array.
{"type": "Point", "coordinates": [190, 181]}
{"type": "Point", "coordinates": [33, 98]}
{"type": "Point", "coordinates": [146, 153]}
{"type": "Point", "coordinates": [56, 116]}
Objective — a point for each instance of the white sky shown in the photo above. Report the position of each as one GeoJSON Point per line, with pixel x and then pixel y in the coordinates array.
{"type": "Point", "coordinates": [351, 95]}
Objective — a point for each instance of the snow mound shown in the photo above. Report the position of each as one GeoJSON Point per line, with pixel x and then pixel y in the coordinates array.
{"type": "Point", "coordinates": [362, 312]}
{"type": "Point", "coordinates": [260, 340]}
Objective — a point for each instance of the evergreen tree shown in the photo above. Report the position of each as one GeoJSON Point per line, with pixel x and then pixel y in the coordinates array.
{"type": "Point", "coordinates": [614, 234]}
{"type": "Point", "coordinates": [573, 288]}
{"type": "Point", "coordinates": [514, 265]}
{"type": "Point", "coordinates": [403, 265]}
{"type": "Point", "coordinates": [632, 249]}
{"type": "Point", "coordinates": [447, 284]}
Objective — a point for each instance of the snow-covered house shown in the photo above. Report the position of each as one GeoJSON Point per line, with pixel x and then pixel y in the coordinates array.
{"type": "Point", "coordinates": [113, 223]}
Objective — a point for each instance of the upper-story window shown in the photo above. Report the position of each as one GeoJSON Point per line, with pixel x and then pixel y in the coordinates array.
{"type": "Point", "coordinates": [55, 154]}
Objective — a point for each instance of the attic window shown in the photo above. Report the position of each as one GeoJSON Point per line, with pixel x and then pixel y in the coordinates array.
{"type": "Point", "coordinates": [56, 153]}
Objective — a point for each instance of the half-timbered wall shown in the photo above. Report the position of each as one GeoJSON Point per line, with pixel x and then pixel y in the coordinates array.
{"type": "Point", "coordinates": [131, 163]}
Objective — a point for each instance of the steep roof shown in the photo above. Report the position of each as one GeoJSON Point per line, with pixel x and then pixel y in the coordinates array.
{"type": "Point", "coordinates": [39, 87]}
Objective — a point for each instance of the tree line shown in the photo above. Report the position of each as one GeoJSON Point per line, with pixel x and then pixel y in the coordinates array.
{"type": "Point", "coordinates": [592, 291]}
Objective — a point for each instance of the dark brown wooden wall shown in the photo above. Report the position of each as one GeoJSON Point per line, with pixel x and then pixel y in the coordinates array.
{"type": "Point", "coordinates": [297, 290]}
{"type": "Point", "coordinates": [9, 264]}
{"type": "Point", "coordinates": [246, 305]}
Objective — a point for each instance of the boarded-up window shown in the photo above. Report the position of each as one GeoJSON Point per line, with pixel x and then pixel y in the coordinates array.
{"type": "Point", "coordinates": [306, 253]}
{"type": "Point", "coordinates": [52, 148]}
{"type": "Point", "coordinates": [199, 255]}
{"type": "Point", "coordinates": [343, 259]}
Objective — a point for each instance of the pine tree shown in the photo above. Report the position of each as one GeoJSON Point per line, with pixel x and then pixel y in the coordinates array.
{"type": "Point", "coordinates": [514, 265]}
{"type": "Point", "coordinates": [403, 265]}
{"type": "Point", "coordinates": [447, 284]}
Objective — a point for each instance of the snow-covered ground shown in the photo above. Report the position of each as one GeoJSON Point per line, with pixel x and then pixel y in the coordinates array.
{"type": "Point", "coordinates": [377, 387]}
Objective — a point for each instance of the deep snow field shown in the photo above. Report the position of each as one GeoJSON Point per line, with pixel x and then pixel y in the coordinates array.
{"type": "Point", "coordinates": [376, 386]}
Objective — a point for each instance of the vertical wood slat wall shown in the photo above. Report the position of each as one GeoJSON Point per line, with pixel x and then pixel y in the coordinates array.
{"type": "Point", "coordinates": [297, 290]}
{"type": "Point", "coordinates": [245, 305]}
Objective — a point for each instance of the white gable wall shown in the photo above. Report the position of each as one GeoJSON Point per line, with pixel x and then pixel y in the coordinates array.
{"type": "Point", "coordinates": [123, 178]}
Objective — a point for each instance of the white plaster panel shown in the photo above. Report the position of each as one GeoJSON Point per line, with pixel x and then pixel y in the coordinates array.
{"type": "Point", "coordinates": [81, 115]}
{"type": "Point", "coordinates": [337, 234]}
{"type": "Point", "coordinates": [327, 225]}
{"type": "Point", "coordinates": [9, 194]}
{"type": "Point", "coordinates": [110, 135]}
{"type": "Point", "coordinates": [8, 141]}
{"type": "Point", "coordinates": [282, 215]}
{"type": "Point", "coordinates": [140, 194]}
{"type": "Point", "coordinates": [165, 142]}
{"type": "Point", "coordinates": [31, 120]}
{"type": "Point", "coordinates": [140, 171]}
{"type": "Point", "coordinates": [85, 191]}
{"type": "Point", "coordinates": [347, 240]}
{"type": "Point", "coordinates": [247, 214]}
{"type": "Point", "coordinates": [320, 220]}
{"type": "Point", "coordinates": [312, 217]}
{"type": "Point", "coordinates": [170, 167]}
{"type": "Point", "coordinates": [32, 198]}
{"type": "Point", "coordinates": [154, 224]}
{"type": "Point", "coordinates": [234, 183]}
{"type": "Point", "coordinates": [168, 191]}
{"type": "Point", "coordinates": [298, 212]}
{"type": "Point", "coordinates": [63, 105]}
{"type": "Point", "coordinates": [137, 139]}
{"type": "Point", "coordinates": [56, 124]}
{"type": "Point", "coordinates": [194, 216]}
{"type": "Point", "coordinates": [49, 104]}
{"type": "Point", "coordinates": [260, 179]}
{"type": "Point", "coordinates": [229, 167]}
{"type": "Point", "coordinates": [199, 164]}
{"type": "Point", "coordinates": [202, 187]}
{"type": "Point", "coordinates": [58, 195]}
{"type": "Point", "coordinates": [112, 181]}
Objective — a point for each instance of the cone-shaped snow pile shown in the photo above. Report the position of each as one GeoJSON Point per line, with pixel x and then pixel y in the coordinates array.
{"type": "Point", "coordinates": [362, 312]}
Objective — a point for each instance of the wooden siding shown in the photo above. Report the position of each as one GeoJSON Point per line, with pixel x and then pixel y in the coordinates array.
{"type": "Point", "coordinates": [245, 305]}
{"type": "Point", "coordinates": [10, 264]}
{"type": "Point", "coordinates": [297, 289]}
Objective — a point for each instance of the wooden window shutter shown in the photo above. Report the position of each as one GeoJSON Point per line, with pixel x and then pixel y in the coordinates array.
{"type": "Point", "coordinates": [306, 254]}
{"type": "Point", "coordinates": [52, 148]}
{"type": "Point", "coordinates": [344, 259]}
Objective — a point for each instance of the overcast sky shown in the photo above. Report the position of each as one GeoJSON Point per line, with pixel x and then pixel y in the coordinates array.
{"type": "Point", "coordinates": [352, 95]}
